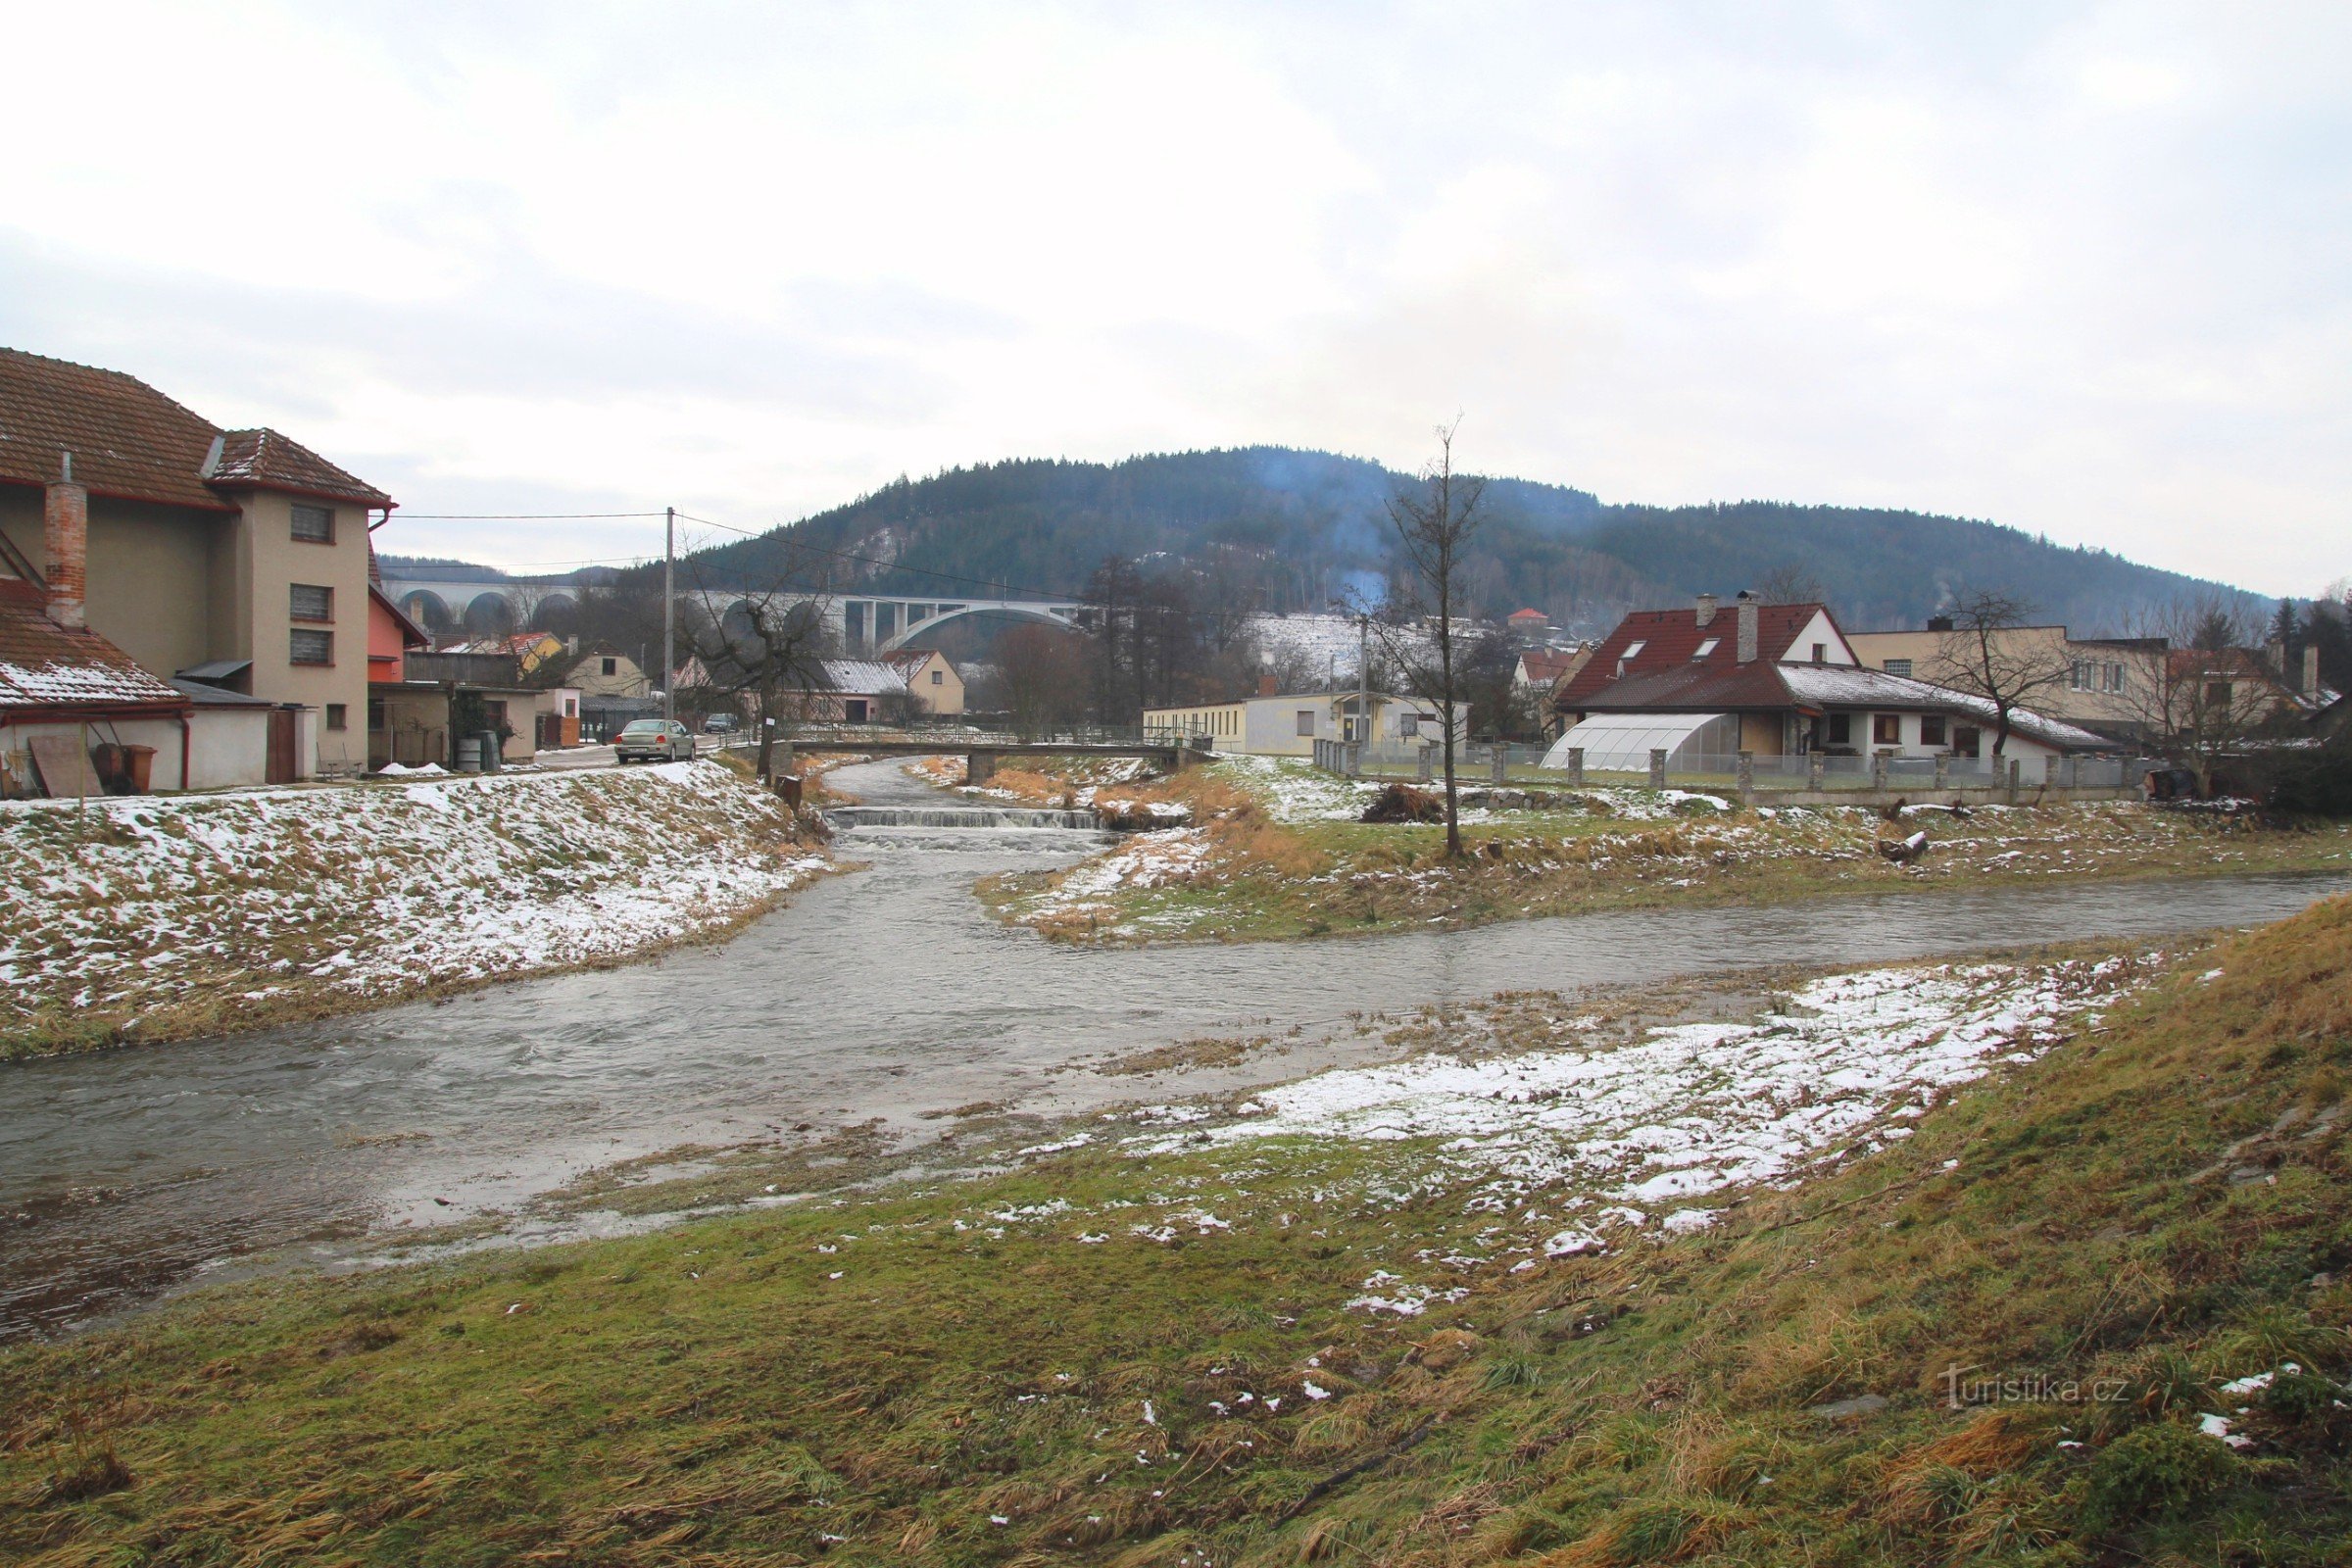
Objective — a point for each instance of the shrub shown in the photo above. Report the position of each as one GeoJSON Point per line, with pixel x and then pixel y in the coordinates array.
{"type": "Point", "coordinates": [2159, 1468]}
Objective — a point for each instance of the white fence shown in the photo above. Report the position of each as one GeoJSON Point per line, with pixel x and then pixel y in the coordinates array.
{"type": "Point", "coordinates": [1731, 771]}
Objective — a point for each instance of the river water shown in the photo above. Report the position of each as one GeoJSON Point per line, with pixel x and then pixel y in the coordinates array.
{"type": "Point", "coordinates": [883, 993]}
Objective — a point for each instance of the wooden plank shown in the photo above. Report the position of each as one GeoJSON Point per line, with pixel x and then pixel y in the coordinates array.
{"type": "Point", "coordinates": [66, 771]}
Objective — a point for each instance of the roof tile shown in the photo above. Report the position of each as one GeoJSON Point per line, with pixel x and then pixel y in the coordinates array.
{"type": "Point", "coordinates": [130, 441]}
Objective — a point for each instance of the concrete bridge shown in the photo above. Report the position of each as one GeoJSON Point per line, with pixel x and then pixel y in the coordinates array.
{"type": "Point", "coordinates": [437, 597]}
{"type": "Point", "coordinates": [867, 623]}
{"type": "Point", "coordinates": [878, 624]}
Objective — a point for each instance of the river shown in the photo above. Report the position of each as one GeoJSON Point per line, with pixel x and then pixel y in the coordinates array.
{"type": "Point", "coordinates": [882, 993]}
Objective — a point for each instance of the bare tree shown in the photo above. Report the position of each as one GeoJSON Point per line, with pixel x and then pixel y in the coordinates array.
{"type": "Point", "coordinates": [1791, 584]}
{"type": "Point", "coordinates": [1986, 654]}
{"type": "Point", "coordinates": [2194, 690]}
{"type": "Point", "coordinates": [766, 644]}
{"type": "Point", "coordinates": [1043, 677]}
{"type": "Point", "coordinates": [1434, 522]}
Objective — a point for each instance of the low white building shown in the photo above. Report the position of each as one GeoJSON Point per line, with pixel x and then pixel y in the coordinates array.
{"type": "Point", "coordinates": [1276, 724]}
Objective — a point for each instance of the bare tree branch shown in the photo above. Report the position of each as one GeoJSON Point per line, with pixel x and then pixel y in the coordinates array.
{"type": "Point", "coordinates": [1433, 524]}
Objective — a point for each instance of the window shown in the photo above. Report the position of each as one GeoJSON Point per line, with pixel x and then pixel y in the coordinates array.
{"type": "Point", "coordinates": [2078, 679]}
{"type": "Point", "coordinates": [1705, 647]}
{"type": "Point", "coordinates": [939, 677]}
{"type": "Point", "coordinates": [2115, 677]}
{"type": "Point", "coordinates": [1965, 739]}
{"type": "Point", "coordinates": [311, 646]}
{"type": "Point", "coordinates": [1931, 729]}
{"type": "Point", "coordinates": [1306, 721]}
{"type": "Point", "coordinates": [375, 714]}
{"type": "Point", "coordinates": [611, 666]}
{"type": "Point", "coordinates": [1886, 729]}
{"type": "Point", "coordinates": [2216, 693]}
{"type": "Point", "coordinates": [307, 600]}
{"type": "Point", "coordinates": [1409, 724]}
{"type": "Point", "coordinates": [317, 525]}
{"type": "Point", "coordinates": [1898, 667]}
{"type": "Point", "coordinates": [1632, 649]}
{"type": "Point", "coordinates": [337, 717]}
{"type": "Point", "coordinates": [1821, 652]}
{"type": "Point", "coordinates": [1842, 729]}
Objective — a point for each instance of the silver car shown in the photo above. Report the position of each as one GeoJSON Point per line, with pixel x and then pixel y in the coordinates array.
{"type": "Point", "coordinates": [653, 739]}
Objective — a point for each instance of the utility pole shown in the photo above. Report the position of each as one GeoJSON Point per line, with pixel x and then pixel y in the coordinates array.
{"type": "Point", "coordinates": [1363, 683]}
{"type": "Point", "coordinates": [669, 607]}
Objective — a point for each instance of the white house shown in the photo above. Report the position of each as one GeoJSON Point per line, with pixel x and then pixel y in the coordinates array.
{"type": "Point", "coordinates": [1275, 724]}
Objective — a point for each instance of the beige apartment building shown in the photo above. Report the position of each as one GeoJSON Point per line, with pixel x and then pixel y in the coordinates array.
{"type": "Point", "coordinates": [2098, 678]}
{"type": "Point", "coordinates": [232, 558]}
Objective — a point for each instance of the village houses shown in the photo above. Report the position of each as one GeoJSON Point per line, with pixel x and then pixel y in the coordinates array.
{"type": "Point", "coordinates": [233, 560]}
{"type": "Point", "coordinates": [1705, 683]}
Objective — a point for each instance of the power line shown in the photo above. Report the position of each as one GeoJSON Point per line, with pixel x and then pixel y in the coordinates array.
{"type": "Point", "coordinates": [891, 565]}
{"type": "Point", "coordinates": [517, 516]}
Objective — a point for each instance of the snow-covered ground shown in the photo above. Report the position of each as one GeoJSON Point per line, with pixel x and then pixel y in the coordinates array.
{"type": "Point", "coordinates": [1691, 1110]}
{"type": "Point", "coordinates": [1325, 644]}
{"type": "Point", "coordinates": [1576, 1146]}
{"type": "Point", "coordinates": [1296, 790]}
{"type": "Point", "coordinates": [124, 910]}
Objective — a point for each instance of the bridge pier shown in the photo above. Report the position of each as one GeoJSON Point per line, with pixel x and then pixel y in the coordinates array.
{"type": "Point", "coordinates": [979, 767]}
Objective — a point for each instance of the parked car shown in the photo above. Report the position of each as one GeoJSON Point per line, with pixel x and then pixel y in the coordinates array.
{"type": "Point", "coordinates": [719, 724]}
{"type": "Point", "coordinates": [648, 740]}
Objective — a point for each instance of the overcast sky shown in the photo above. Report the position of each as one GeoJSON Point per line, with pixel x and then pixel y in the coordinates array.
{"type": "Point", "coordinates": [2086, 269]}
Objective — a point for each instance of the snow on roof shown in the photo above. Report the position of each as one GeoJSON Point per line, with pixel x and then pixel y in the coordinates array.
{"type": "Point", "coordinates": [862, 675]}
{"type": "Point", "coordinates": [43, 665]}
{"type": "Point", "coordinates": [1853, 686]}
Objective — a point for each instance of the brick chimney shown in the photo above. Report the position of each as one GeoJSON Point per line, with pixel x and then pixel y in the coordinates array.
{"type": "Point", "coordinates": [1268, 686]}
{"type": "Point", "coordinates": [65, 532]}
{"type": "Point", "coordinates": [1706, 608]}
{"type": "Point", "coordinates": [2311, 670]}
{"type": "Point", "coordinates": [1747, 627]}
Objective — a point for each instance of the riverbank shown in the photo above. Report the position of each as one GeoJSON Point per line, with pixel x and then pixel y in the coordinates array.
{"type": "Point", "coordinates": [1276, 851]}
{"type": "Point", "coordinates": [157, 918]}
{"type": "Point", "coordinates": [1399, 1315]}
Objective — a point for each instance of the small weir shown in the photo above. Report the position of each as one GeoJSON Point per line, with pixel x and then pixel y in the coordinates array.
{"type": "Point", "coordinates": [840, 817]}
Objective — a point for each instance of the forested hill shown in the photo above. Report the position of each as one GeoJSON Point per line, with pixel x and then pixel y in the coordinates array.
{"type": "Point", "coordinates": [1293, 530]}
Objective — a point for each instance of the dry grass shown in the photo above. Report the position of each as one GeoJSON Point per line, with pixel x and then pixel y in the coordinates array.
{"type": "Point", "coordinates": [728, 1393]}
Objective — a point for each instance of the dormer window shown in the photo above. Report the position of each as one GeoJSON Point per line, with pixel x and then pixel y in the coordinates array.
{"type": "Point", "coordinates": [1705, 647]}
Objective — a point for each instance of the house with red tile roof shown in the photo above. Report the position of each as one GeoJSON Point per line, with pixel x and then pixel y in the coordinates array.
{"type": "Point", "coordinates": [235, 559]}
{"type": "Point", "coordinates": [65, 691]}
{"type": "Point", "coordinates": [1773, 680]}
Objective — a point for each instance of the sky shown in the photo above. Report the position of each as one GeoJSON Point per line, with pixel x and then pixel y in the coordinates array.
{"type": "Point", "coordinates": [2086, 269]}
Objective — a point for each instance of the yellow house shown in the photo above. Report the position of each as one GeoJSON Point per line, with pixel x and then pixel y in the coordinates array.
{"type": "Point", "coordinates": [2090, 681]}
{"type": "Point", "coordinates": [235, 559]}
{"type": "Point", "coordinates": [932, 677]}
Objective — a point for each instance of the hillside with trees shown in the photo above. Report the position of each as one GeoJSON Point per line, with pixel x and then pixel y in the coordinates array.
{"type": "Point", "coordinates": [1290, 531]}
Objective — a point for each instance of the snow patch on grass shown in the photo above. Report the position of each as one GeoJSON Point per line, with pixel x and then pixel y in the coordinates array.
{"type": "Point", "coordinates": [1694, 1109]}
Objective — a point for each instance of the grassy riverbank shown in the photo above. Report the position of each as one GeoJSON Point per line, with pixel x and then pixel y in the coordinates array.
{"type": "Point", "coordinates": [1397, 1315]}
{"type": "Point", "coordinates": [156, 919]}
{"type": "Point", "coordinates": [1275, 850]}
